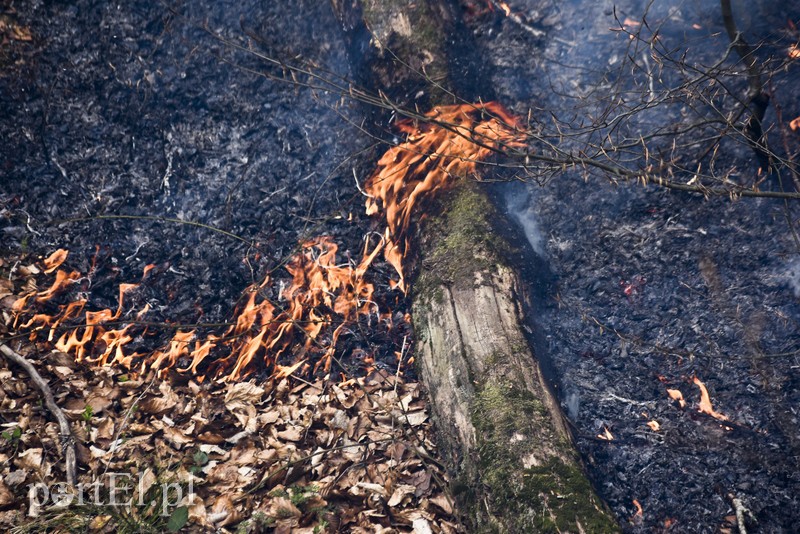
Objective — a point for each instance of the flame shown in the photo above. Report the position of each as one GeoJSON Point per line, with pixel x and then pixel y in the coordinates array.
{"type": "Point", "coordinates": [505, 7]}
{"type": "Point", "coordinates": [447, 146]}
{"type": "Point", "coordinates": [324, 298]}
{"type": "Point", "coordinates": [637, 517]}
{"type": "Point", "coordinates": [606, 434]}
{"type": "Point", "coordinates": [705, 402]}
{"type": "Point", "coordinates": [675, 394]}
{"type": "Point", "coordinates": [54, 261]}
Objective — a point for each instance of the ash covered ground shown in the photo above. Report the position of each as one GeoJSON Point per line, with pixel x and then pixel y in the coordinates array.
{"type": "Point", "coordinates": [131, 109]}
{"type": "Point", "coordinates": [147, 109]}
{"type": "Point", "coordinates": [650, 289]}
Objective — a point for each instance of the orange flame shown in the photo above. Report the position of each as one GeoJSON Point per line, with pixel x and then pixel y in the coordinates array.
{"type": "Point", "coordinates": [505, 7]}
{"type": "Point", "coordinates": [324, 298]}
{"type": "Point", "coordinates": [606, 434]}
{"type": "Point", "coordinates": [705, 402]}
{"type": "Point", "coordinates": [637, 517]}
{"type": "Point", "coordinates": [445, 147]}
{"type": "Point", "coordinates": [675, 394]}
{"type": "Point", "coordinates": [54, 261]}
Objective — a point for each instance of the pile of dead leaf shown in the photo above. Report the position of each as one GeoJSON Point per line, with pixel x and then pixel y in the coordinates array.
{"type": "Point", "coordinates": [280, 456]}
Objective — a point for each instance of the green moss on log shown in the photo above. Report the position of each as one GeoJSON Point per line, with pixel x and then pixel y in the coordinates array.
{"type": "Point", "coordinates": [553, 497]}
{"type": "Point", "coordinates": [463, 241]}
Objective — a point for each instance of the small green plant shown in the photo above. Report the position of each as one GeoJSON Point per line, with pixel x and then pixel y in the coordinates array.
{"type": "Point", "coordinates": [87, 414]}
{"type": "Point", "coordinates": [259, 522]}
{"type": "Point", "coordinates": [302, 494]}
{"type": "Point", "coordinates": [199, 460]}
{"type": "Point", "coordinates": [12, 436]}
{"type": "Point", "coordinates": [279, 493]}
{"type": "Point", "coordinates": [322, 526]}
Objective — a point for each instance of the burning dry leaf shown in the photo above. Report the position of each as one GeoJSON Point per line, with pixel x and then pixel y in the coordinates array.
{"type": "Point", "coordinates": [325, 295]}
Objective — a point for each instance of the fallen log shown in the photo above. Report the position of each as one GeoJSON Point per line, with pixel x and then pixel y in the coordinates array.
{"type": "Point", "coordinates": [499, 426]}
{"type": "Point", "coordinates": [498, 423]}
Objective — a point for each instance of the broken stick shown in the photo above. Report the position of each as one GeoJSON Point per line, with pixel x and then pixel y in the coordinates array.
{"type": "Point", "coordinates": [67, 440]}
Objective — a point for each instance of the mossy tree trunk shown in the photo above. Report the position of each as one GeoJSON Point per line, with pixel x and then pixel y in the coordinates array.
{"type": "Point", "coordinates": [498, 424]}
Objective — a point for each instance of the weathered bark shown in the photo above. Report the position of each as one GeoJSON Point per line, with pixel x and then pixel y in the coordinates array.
{"type": "Point", "coordinates": [398, 47]}
{"type": "Point", "coordinates": [499, 426]}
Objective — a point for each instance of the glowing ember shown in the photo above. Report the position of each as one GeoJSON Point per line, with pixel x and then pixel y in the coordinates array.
{"type": "Point", "coordinates": [705, 402]}
{"type": "Point", "coordinates": [606, 434]}
{"type": "Point", "coordinates": [675, 394]}
{"type": "Point", "coordinates": [794, 52]}
{"type": "Point", "coordinates": [639, 515]}
{"type": "Point", "coordinates": [795, 124]}
{"type": "Point", "coordinates": [654, 426]}
{"type": "Point", "coordinates": [324, 299]}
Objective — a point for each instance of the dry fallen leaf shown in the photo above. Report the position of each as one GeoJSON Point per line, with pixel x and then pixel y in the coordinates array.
{"type": "Point", "coordinates": [30, 459]}
{"type": "Point", "coordinates": [161, 404]}
{"type": "Point", "coordinates": [6, 497]}
{"type": "Point", "coordinates": [223, 512]}
{"type": "Point", "coordinates": [241, 393]}
{"type": "Point", "coordinates": [399, 493]}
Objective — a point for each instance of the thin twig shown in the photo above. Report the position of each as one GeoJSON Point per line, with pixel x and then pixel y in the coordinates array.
{"type": "Point", "coordinates": [741, 510]}
{"type": "Point", "coordinates": [67, 440]}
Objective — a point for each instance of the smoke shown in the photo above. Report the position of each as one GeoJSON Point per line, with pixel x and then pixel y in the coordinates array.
{"type": "Point", "coordinates": [792, 276]}
{"type": "Point", "coordinates": [520, 207]}
{"type": "Point", "coordinates": [572, 405]}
